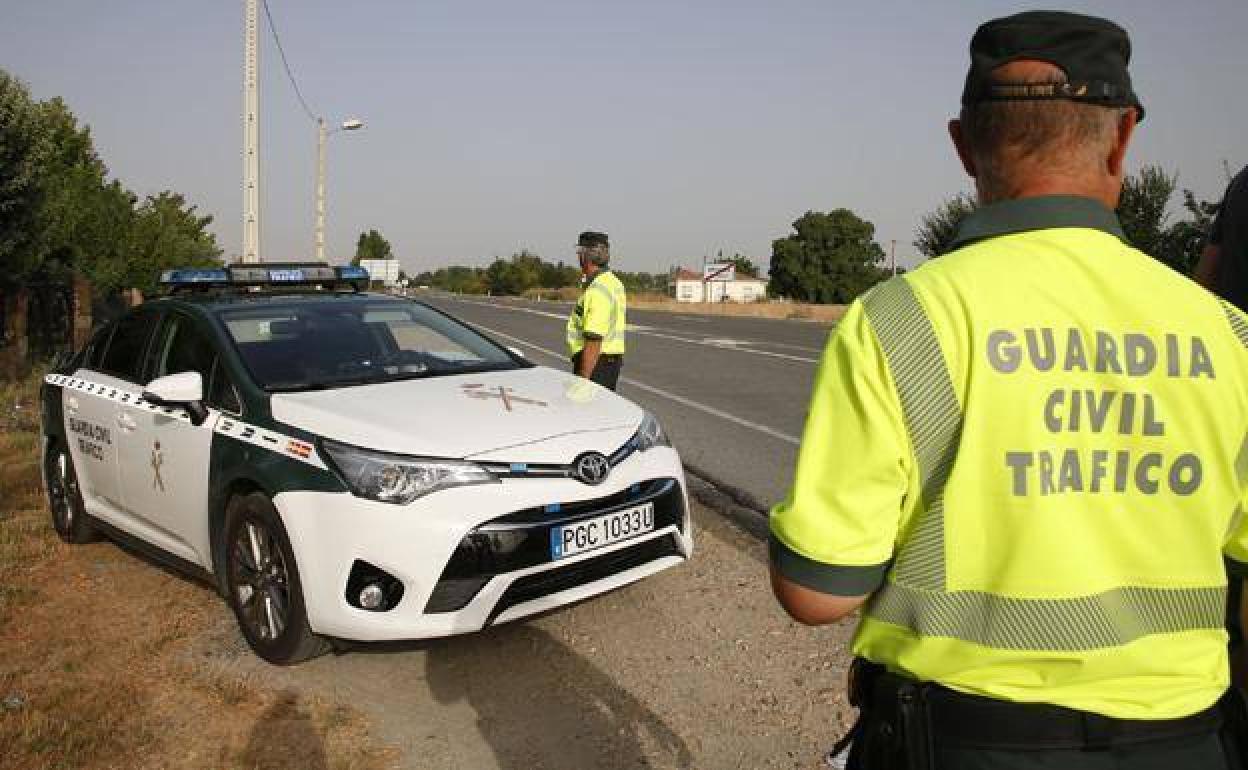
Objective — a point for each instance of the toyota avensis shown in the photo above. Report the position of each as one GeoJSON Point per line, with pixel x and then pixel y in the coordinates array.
{"type": "Point", "coordinates": [353, 466]}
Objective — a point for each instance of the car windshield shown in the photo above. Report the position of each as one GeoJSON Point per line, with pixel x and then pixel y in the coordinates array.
{"type": "Point", "coordinates": [334, 343]}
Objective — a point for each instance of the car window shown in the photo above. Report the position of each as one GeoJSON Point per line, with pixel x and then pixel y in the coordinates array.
{"type": "Point", "coordinates": [183, 348]}
{"type": "Point", "coordinates": [124, 355]}
{"type": "Point", "coordinates": [94, 354]}
{"type": "Point", "coordinates": [224, 395]}
{"type": "Point", "coordinates": [339, 343]}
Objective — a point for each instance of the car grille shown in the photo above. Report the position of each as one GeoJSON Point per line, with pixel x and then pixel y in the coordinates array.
{"type": "Point", "coordinates": [583, 572]}
{"type": "Point", "coordinates": [521, 540]}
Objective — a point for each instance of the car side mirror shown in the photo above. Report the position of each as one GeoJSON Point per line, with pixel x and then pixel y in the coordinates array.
{"type": "Point", "coordinates": [184, 390]}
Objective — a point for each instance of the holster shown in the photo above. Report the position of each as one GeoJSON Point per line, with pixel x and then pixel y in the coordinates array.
{"type": "Point", "coordinates": [893, 728]}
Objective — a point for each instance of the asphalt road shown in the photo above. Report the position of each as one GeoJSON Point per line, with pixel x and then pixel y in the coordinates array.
{"type": "Point", "coordinates": [731, 392]}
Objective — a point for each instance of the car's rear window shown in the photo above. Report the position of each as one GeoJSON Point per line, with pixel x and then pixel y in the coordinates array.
{"type": "Point", "coordinates": [310, 345]}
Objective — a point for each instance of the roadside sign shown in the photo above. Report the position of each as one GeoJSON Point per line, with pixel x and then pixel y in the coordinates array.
{"type": "Point", "coordinates": [721, 271]}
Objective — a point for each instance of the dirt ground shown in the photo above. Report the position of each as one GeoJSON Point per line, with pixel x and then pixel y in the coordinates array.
{"type": "Point", "coordinates": [110, 660]}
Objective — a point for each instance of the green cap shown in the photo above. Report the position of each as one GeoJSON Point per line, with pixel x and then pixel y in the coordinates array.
{"type": "Point", "coordinates": [1092, 52]}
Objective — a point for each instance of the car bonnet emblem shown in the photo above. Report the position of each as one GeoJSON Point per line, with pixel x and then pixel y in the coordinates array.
{"type": "Point", "coordinates": [502, 393]}
{"type": "Point", "coordinates": [591, 468]}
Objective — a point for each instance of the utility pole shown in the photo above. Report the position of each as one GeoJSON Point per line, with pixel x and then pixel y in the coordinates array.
{"type": "Point", "coordinates": [320, 189]}
{"type": "Point", "coordinates": [251, 138]}
{"type": "Point", "coordinates": [892, 256]}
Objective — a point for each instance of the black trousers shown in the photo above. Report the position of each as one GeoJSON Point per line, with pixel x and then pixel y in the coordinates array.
{"type": "Point", "coordinates": [606, 371]}
{"type": "Point", "coordinates": [1205, 752]}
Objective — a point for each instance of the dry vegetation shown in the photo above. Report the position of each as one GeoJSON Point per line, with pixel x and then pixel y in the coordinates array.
{"type": "Point", "coordinates": [99, 668]}
{"type": "Point", "coordinates": [653, 301]}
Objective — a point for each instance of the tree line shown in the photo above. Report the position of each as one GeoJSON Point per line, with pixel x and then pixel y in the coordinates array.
{"type": "Point", "coordinates": [523, 271]}
{"type": "Point", "coordinates": [60, 213]}
{"type": "Point", "coordinates": [1143, 209]}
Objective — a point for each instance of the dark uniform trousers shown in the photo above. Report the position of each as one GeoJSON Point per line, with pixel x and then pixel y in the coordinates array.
{"type": "Point", "coordinates": [908, 725]}
{"type": "Point", "coordinates": [606, 371]}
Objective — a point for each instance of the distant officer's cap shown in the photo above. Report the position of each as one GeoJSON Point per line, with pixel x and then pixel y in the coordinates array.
{"type": "Point", "coordinates": [1092, 52]}
{"type": "Point", "coordinates": [589, 239]}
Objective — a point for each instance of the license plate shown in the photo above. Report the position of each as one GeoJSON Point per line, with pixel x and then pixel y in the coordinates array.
{"type": "Point", "coordinates": [587, 535]}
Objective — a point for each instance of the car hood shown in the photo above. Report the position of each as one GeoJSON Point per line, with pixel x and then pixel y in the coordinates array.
{"type": "Point", "coordinates": [465, 415]}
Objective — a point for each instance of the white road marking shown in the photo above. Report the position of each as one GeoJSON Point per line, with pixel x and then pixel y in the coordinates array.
{"type": "Point", "coordinates": [736, 345]}
{"type": "Point", "coordinates": [660, 392]}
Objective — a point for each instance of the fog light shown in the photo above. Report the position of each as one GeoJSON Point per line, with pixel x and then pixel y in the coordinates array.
{"type": "Point", "coordinates": [371, 596]}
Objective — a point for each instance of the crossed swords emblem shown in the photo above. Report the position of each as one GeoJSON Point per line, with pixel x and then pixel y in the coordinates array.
{"type": "Point", "coordinates": [158, 460]}
{"type": "Point", "coordinates": [481, 392]}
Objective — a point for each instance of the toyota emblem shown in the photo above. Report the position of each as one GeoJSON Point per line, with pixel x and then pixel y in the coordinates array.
{"type": "Point", "coordinates": [591, 468]}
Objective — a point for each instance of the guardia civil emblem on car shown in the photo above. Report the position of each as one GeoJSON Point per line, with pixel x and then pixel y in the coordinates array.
{"type": "Point", "coordinates": [353, 467]}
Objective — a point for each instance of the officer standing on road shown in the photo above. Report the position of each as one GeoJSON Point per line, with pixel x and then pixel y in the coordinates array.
{"type": "Point", "coordinates": [1223, 269]}
{"type": "Point", "coordinates": [1027, 472]}
{"type": "Point", "coordinates": [596, 326]}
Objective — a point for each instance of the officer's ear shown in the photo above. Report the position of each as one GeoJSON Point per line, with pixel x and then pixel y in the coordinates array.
{"type": "Point", "coordinates": [964, 151]}
{"type": "Point", "coordinates": [1116, 160]}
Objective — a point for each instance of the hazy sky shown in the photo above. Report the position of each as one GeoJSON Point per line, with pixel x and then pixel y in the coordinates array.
{"type": "Point", "coordinates": [678, 126]}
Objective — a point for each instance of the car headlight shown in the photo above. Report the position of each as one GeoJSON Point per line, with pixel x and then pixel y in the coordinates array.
{"type": "Point", "coordinates": [397, 479]}
{"type": "Point", "coordinates": [650, 434]}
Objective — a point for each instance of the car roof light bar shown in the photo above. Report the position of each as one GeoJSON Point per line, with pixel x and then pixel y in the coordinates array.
{"type": "Point", "coordinates": [267, 276]}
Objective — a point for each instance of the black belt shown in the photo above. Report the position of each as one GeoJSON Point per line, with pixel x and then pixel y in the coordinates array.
{"type": "Point", "coordinates": [609, 357]}
{"type": "Point", "coordinates": [970, 721]}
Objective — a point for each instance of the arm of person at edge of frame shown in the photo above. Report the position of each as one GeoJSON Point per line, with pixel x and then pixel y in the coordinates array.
{"type": "Point", "coordinates": [1207, 268]}
{"type": "Point", "coordinates": [811, 607]}
{"type": "Point", "coordinates": [1239, 664]}
{"type": "Point", "coordinates": [589, 356]}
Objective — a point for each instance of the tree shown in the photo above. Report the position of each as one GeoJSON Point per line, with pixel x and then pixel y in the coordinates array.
{"type": "Point", "coordinates": [166, 232]}
{"type": "Point", "coordinates": [936, 232]}
{"type": "Point", "coordinates": [1142, 210]}
{"type": "Point", "coordinates": [744, 266]}
{"type": "Point", "coordinates": [830, 258]}
{"type": "Point", "coordinates": [371, 245]}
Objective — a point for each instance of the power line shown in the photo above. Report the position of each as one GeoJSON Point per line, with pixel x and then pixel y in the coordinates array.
{"type": "Point", "coordinates": [286, 64]}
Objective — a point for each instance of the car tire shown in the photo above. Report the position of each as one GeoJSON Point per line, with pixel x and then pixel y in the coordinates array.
{"type": "Point", "coordinates": [262, 583]}
{"type": "Point", "coordinates": [69, 515]}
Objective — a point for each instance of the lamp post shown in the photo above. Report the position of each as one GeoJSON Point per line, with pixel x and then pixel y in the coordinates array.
{"type": "Point", "coordinates": [322, 133]}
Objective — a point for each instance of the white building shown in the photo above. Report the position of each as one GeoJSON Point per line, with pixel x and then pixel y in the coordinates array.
{"type": "Point", "coordinates": [688, 286]}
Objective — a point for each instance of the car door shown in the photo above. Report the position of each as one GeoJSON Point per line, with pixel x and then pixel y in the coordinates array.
{"type": "Point", "coordinates": [164, 461]}
{"type": "Point", "coordinates": [109, 375]}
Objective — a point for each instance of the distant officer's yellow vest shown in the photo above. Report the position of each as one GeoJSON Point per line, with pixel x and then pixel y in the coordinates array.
{"type": "Point", "coordinates": [1033, 451]}
{"type": "Point", "coordinates": [599, 314]}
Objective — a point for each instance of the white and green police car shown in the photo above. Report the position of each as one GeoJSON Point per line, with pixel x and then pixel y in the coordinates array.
{"type": "Point", "coordinates": [353, 466]}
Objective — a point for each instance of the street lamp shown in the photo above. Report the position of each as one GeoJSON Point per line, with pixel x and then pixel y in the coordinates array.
{"type": "Point", "coordinates": [322, 133]}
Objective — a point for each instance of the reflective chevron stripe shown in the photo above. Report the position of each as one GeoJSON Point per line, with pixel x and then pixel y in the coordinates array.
{"type": "Point", "coordinates": [933, 419]}
{"type": "Point", "coordinates": [280, 443]}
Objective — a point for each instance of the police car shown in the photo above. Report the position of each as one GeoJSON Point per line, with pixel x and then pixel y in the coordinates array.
{"type": "Point", "coordinates": [353, 466]}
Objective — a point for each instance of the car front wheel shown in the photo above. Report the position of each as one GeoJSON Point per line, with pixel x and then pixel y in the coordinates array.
{"type": "Point", "coordinates": [263, 580]}
{"type": "Point", "coordinates": [69, 516]}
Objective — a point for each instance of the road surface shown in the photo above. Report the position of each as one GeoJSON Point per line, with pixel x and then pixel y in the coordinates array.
{"type": "Point", "coordinates": [731, 392]}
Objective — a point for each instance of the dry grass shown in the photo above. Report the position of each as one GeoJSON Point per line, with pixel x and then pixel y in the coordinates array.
{"type": "Point", "coordinates": [96, 670]}
{"type": "Point", "coordinates": [655, 301]}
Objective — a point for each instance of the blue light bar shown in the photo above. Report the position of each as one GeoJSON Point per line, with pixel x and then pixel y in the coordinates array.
{"type": "Point", "coordinates": [313, 274]}
{"type": "Point", "coordinates": [194, 275]}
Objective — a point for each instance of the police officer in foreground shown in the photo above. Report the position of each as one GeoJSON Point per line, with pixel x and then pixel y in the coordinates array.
{"type": "Point", "coordinates": [596, 327]}
{"type": "Point", "coordinates": [1027, 459]}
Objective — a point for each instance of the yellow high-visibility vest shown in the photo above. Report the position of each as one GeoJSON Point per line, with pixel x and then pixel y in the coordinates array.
{"type": "Point", "coordinates": [600, 313]}
{"type": "Point", "coordinates": [1033, 453]}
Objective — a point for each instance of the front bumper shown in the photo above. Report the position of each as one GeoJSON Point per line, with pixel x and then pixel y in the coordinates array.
{"type": "Point", "coordinates": [442, 549]}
